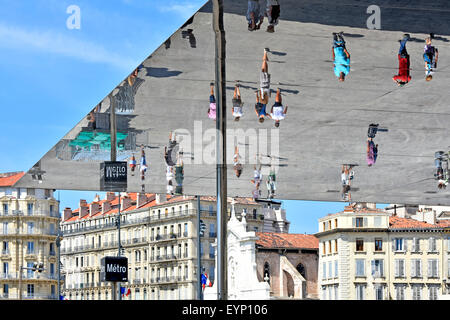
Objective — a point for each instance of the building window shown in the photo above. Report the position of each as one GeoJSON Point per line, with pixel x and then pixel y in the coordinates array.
{"type": "Point", "coordinates": [336, 246]}
{"type": "Point", "coordinates": [267, 272]}
{"type": "Point", "coordinates": [360, 291]}
{"type": "Point", "coordinates": [417, 291]}
{"type": "Point", "coordinates": [330, 269]}
{"type": "Point", "coordinates": [30, 290]}
{"type": "Point", "coordinates": [379, 292]}
{"type": "Point", "coordinates": [377, 221]}
{"type": "Point", "coordinates": [185, 230]}
{"type": "Point", "coordinates": [335, 223]}
{"type": "Point", "coordinates": [399, 268]}
{"type": "Point", "coordinates": [5, 209]}
{"type": "Point", "coordinates": [359, 245]}
{"type": "Point", "coordinates": [359, 222]}
{"type": "Point", "coordinates": [301, 269]}
{"type": "Point", "coordinates": [336, 270]}
{"type": "Point", "coordinates": [5, 268]}
{"type": "Point", "coordinates": [5, 290]}
{"type": "Point", "coordinates": [30, 209]}
{"type": "Point", "coordinates": [360, 268]}
{"type": "Point", "coordinates": [432, 245]}
{"type": "Point", "coordinates": [416, 268]}
{"type": "Point", "coordinates": [433, 268]}
{"type": "Point", "coordinates": [5, 228]}
{"type": "Point", "coordinates": [329, 246]}
{"type": "Point", "coordinates": [324, 270]}
{"type": "Point", "coordinates": [433, 292]}
{"type": "Point", "coordinates": [400, 292]}
{"type": "Point", "coordinates": [5, 249]}
{"type": "Point", "coordinates": [378, 245]}
{"type": "Point", "coordinates": [377, 268]}
{"type": "Point", "coordinates": [30, 227]}
{"type": "Point", "coordinates": [30, 247]}
{"type": "Point", "coordinates": [416, 245]}
{"type": "Point", "coordinates": [398, 244]}
{"type": "Point", "coordinates": [324, 248]}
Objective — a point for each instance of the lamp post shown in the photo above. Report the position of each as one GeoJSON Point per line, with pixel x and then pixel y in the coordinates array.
{"type": "Point", "coordinates": [39, 267]}
{"type": "Point", "coordinates": [58, 246]}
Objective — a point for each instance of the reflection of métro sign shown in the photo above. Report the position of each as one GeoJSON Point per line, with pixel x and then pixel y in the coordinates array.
{"type": "Point", "coordinates": [113, 176]}
{"type": "Point", "coordinates": [114, 269]}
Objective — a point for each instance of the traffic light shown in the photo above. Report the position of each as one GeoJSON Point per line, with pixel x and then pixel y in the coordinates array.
{"type": "Point", "coordinates": [39, 267]}
{"type": "Point", "coordinates": [202, 228]}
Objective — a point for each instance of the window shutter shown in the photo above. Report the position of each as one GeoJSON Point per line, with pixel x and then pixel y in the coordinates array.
{"type": "Point", "coordinates": [436, 268]}
{"type": "Point", "coordinates": [430, 244]}
{"type": "Point", "coordinates": [365, 222]}
{"type": "Point", "coordinates": [393, 245]}
{"type": "Point", "coordinates": [373, 267]}
{"type": "Point", "coordinates": [413, 268]}
{"type": "Point", "coordinates": [405, 245]}
{"type": "Point", "coordinates": [397, 267]}
{"type": "Point", "coordinates": [413, 245]}
{"type": "Point", "coordinates": [354, 222]}
{"type": "Point", "coordinates": [430, 268]}
{"type": "Point", "coordinates": [381, 268]}
{"type": "Point", "coordinates": [419, 267]}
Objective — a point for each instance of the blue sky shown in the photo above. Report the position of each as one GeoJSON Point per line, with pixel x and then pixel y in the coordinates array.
{"type": "Point", "coordinates": [52, 76]}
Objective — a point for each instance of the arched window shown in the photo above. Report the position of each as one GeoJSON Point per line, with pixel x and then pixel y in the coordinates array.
{"type": "Point", "coordinates": [301, 269]}
{"type": "Point", "coordinates": [267, 272]}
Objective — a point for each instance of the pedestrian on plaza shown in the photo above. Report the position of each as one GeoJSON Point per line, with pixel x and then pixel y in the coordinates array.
{"type": "Point", "coordinates": [254, 16]}
{"type": "Point", "coordinates": [341, 56]}
{"type": "Point", "coordinates": [430, 56]}
{"type": "Point", "coordinates": [212, 103]}
{"type": "Point", "coordinates": [260, 106]}
{"type": "Point", "coordinates": [403, 76]}
{"type": "Point", "coordinates": [273, 14]}
{"type": "Point", "coordinates": [237, 165]}
{"type": "Point", "coordinates": [278, 112]}
{"type": "Point", "coordinates": [237, 103]}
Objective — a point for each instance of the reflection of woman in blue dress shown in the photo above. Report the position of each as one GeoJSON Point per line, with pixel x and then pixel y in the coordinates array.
{"type": "Point", "coordinates": [143, 164]}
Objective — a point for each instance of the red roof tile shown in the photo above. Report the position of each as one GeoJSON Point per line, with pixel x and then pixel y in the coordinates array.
{"type": "Point", "coordinates": [9, 179]}
{"type": "Point", "coordinates": [408, 223]}
{"type": "Point", "coordinates": [287, 240]}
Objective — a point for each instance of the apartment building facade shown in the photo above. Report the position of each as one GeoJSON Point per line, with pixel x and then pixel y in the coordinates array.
{"type": "Point", "coordinates": [158, 236]}
{"type": "Point", "coordinates": [29, 221]}
{"type": "Point", "coordinates": [366, 253]}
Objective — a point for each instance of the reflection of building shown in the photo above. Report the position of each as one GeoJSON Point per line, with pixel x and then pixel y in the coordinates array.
{"type": "Point", "coordinates": [29, 222]}
{"type": "Point", "coordinates": [289, 263]}
{"type": "Point", "coordinates": [159, 237]}
{"type": "Point", "coordinates": [368, 254]}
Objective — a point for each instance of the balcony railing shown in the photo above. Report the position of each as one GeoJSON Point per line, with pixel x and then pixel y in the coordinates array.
{"type": "Point", "coordinates": [20, 213]}
{"type": "Point", "coordinates": [5, 252]}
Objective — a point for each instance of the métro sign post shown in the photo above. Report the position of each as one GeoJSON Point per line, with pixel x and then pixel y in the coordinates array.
{"type": "Point", "coordinates": [114, 269]}
{"type": "Point", "coordinates": [113, 176]}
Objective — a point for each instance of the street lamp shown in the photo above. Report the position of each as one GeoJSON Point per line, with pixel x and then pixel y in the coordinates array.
{"type": "Point", "coordinates": [39, 267]}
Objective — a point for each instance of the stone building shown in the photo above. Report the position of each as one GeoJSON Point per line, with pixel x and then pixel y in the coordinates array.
{"type": "Point", "coordinates": [29, 221]}
{"type": "Point", "coordinates": [367, 253]}
{"type": "Point", "coordinates": [289, 262]}
{"type": "Point", "coordinates": [159, 237]}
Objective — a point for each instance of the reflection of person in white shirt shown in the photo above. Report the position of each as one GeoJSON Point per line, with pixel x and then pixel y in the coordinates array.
{"type": "Point", "coordinates": [237, 103]}
{"type": "Point", "coordinates": [278, 112]}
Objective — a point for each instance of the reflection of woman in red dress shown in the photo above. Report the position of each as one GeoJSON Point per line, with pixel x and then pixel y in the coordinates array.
{"type": "Point", "coordinates": [132, 164]}
{"type": "Point", "coordinates": [403, 76]}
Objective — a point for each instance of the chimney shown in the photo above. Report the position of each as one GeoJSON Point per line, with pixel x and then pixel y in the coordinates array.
{"type": "Point", "coordinates": [97, 198]}
{"type": "Point", "coordinates": [67, 214]}
{"type": "Point", "coordinates": [110, 196]}
{"type": "Point", "coordinates": [160, 198]}
{"type": "Point", "coordinates": [125, 203]}
{"type": "Point", "coordinates": [84, 209]}
{"type": "Point", "coordinates": [141, 199]}
{"type": "Point", "coordinates": [94, 207]}
{"type": "Point", "coordinates": [106, 207]}
{"type": "Point", "coordinates": [430, 217]}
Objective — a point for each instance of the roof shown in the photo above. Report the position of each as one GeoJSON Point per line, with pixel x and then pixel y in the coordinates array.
{"type": "Point", "coordinates": [10, 178]}
{"type": "Point", "coordinates": [286, 240]}
{"type": "Point", "coordinates": [408, 223]}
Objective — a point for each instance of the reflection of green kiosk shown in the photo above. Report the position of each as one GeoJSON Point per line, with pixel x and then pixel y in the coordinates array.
{"type": "Point", "coordinates": [97, 141]}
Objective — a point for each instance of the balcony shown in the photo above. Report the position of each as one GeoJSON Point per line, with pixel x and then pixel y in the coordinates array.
{"type": "Point", "coordinates": [5, 252]}
{"type": "Point", "coordinates": [52, 253]}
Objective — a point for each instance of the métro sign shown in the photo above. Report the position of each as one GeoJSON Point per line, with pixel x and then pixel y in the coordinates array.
{"type": "Point", "coordinates": [113, 176]}
{"type": "Point", "coordinates": [114, 269]}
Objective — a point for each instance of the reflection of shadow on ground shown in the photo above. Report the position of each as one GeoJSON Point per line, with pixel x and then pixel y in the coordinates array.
{"type": "Point", "coordinates": [287, 91]}
{"type": "Point", "coordinates": [441, 39]}
{"type": "Point", "coordinates": [243, 87]}
{"type": "Point", "coordinates": [161, 72]}
{"type": "Point", "coordinates": [278, 53]}
{"type": "Point", "coordinates": [416, 40]}
{"type": "Point", "coordinates": [189, 33]}
{"type": "Point", "coordinates": [167, 43]}
{"type": "Point", "coordinates": [353, 35]}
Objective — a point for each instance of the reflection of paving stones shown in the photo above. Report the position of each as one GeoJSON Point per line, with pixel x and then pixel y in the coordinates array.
{"type": "Point", "coordinates": [327, 121]}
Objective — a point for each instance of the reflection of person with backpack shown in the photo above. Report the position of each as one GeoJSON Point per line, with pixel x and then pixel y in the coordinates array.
{"type": "Point", "coordinates": [430, 56]}
{"type": "Point", "coordinates": [273, 14]}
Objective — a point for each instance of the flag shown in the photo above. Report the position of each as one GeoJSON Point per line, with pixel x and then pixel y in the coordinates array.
{"type": "Point", "coordinates": [122, 291]}
{"type": "Point", "coordinates": [205, 281]}
{"type": "Point", "coordinates": [128, 292]}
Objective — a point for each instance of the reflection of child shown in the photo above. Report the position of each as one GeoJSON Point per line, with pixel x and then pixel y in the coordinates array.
{"type": "Point", "coordinates": [143, 164]}
{"type": "Point", "coordinates": [212, 104]}
{"type": "Point", "coordinates": [237, 163]}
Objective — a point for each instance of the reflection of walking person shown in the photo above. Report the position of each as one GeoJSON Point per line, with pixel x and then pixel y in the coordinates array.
{"type": "Point", "coordinates": [372, 152]}
{"type": "Point", "coordinates": [143, 164]}
{"type": "Point", "coordinates": [372, 131]}
{"type": "Point", "coordinates": [212, 104]}
{"type": "Point", "coordinates": [168, 152]}
{"type": "Point", "coordinates": [179, 175]}
{"type": "Point", "coordinates": [264, 76]}
{"type": "Point", "coordinates": [277, 112]}
{"type": "Point", "coordinates": [341, 57]}
{"type": "Point", "coordinates": [346, 177]}
{"type": "Point", "coordinates": [237, 103]}
{"type": "Point", "coordinates": [273, 14]}
{"type": "Point", "coordinates": [430, 56]}
{"type": "Point", "coordinates": [403, 76]}
{"type": "Point", "coordinates": [254, 16]}
{"type": "Point", "coordinates": [237, 162]}
{"type": "Point", "coordinates": [132, 164]}
{"type": "Point", "coordinates": [260, 106]}
{"type": "Point", "coordinates": [169, 178]}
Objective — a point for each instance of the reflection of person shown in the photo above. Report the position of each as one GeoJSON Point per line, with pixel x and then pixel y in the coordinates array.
{"type": "Point", "coordinates": [372, 131]}
{"type": "Point", "coordinates": [132, 164]}
{"type": "Point", "coordinates": [341, 57]}
{"type": "Point", "coordinates": [430, 56]}
{"type": "Point", "coordinates": [168, 151]}
{"type": "Point", "coordinates": [132, 77]}
{"type": "Point", "coordinates": [237, 162]}
{"type": "Point", "coordinates": [273, 14]}
{"type": "Point", "coordinates": [438, 160]}
{"type": "Point", "coordinates": [264, 76]}
{"type": "Point", "coordinates": [143, 164]}
{"type": "Point", "coordinates": [169, 178]}
{"type": "Point", "coordinates": [91, 118]}
{"type": "Point", "coordinates": [277, 112]}
{"type": "Point", "coordinates": [403, 76]}
{"type": "Point", "coordinates": [237, 104]}
{"type": "Point", "coordinates": [260, 106]}
{"type": "Point", "coordinates": [179, 175]}
{"type": "Point", "coordinates": [254, 16]}
{"type": "Point", "coordinates": [372, 152]}
{"type": "Point", "coordinates": [271, 183]}
{"type": "Point", "coordinates": [212, 104]}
